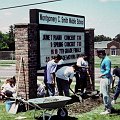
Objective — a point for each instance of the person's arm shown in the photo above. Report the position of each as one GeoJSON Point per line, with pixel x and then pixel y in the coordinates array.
{"type": "Point", "coordinates": [53, 78]}
{"type": "Point", "coordinates": [113, 78]}
{"type": "Point", "coordinates": [71, 78]}
{"type": "Point", "coordinates": [113, 81]}
{"type": "Point", "coordinates": [70, 81]}
{"type": "Point", "coordinates": [52, 73]}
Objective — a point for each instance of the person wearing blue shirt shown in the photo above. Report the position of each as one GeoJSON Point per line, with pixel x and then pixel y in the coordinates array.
{"type": "Point", "coordinates": [106, 80]}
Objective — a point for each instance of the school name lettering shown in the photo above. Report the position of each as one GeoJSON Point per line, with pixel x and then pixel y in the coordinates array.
{"type": "Point", "coordinates": [52, 18]}
{"type": "Point", "coordinates": [48, 18]}
{"type": "Point", "coordinates": [70, 20]}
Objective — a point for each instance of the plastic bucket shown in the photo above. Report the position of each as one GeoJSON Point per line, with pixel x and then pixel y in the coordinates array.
{"type": "Point", "coordinates": [8, 105]}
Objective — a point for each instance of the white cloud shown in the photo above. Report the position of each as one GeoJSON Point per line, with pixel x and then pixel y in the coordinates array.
{"type": "Point", "coordinates": [4, 29]}
{"type": "Point", "coordinates": [8, 13]}
{"type": "Point", "coordinates": [25, 19]}
{"type": "Point", "coordinates": [104, 0]}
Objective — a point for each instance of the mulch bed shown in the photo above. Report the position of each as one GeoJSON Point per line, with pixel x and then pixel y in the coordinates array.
{"type": "Point", "coordinates": [86, 106]}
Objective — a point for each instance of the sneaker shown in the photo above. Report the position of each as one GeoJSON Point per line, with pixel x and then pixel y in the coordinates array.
{"type": "Point", "coordinates": [106, 112]}
{"type": "Point", "coordinates": [113, 102]}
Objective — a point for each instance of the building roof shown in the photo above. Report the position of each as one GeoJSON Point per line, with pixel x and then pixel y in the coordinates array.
{"type": "Point", "coordinates": [102, 44]}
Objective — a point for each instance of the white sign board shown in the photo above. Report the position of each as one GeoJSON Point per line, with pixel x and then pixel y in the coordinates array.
{"type": "Point", "coordinates": [61, 20]}
{"type": "Point", "coordinates": [68, 44]}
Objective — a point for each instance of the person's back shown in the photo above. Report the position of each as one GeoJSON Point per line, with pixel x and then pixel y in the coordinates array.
{"type": "Point", "coordinates": [65, 72]}
{"type": "Point", "coordinates": [64, 78]}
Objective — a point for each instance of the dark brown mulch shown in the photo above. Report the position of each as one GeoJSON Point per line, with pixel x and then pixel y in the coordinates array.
{"type": "Point", "coordinates": [86, 106]}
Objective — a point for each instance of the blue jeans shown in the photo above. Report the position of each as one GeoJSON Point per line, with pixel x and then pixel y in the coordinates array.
{"type": "Point", "coordinates": [104, 90]}
{"type": "Point", "coordinates": [117, 92]}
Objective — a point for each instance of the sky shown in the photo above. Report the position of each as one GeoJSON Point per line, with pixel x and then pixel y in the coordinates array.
{"type": "Point", "coordinates": [102, 15]}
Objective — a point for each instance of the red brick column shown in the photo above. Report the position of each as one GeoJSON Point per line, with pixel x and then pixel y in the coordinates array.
{"type": "Point", "coordinates": [26, 47]}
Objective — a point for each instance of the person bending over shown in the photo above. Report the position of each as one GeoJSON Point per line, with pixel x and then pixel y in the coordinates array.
{"type": "Point", "coordinates": [64, 78]}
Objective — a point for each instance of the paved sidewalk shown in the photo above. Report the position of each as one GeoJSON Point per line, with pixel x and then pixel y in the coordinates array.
{"type": "Point", "coordinates": [7, 72]}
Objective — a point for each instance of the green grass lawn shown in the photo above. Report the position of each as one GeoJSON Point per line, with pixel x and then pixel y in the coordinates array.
{"type": "Point", "coordinates": [115, 60]}
{"type": "Point", "coordinates": [92, 115]}
{"type": "Point", "coordinates": [7, 116]}
{"type": "Point", "coordinates": [95, 114]}
{"type": "Point", "coordinates": [7, 63]}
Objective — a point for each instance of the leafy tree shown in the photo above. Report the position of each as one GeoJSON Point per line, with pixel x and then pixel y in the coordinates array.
{"type": "Point", "coordinates": [3, 41]}
{"type": "Point", "coordinates": [100, 38]}
{"type": "Point", "coordinates": [11, 42]}
{"type": "Point", "coordinates": [7, 40]}
{"type": "Point", "coordinates": [117, 38]}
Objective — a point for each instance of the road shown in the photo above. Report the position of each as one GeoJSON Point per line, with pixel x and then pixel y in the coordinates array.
{"type": "Point", "coordinates": [7, 72]}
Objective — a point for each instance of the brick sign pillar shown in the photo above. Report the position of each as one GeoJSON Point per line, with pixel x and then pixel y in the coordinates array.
{"type": "Point", "coordinates": [26, 47]}
{"type": "Point", "coordinates": [89, 51]}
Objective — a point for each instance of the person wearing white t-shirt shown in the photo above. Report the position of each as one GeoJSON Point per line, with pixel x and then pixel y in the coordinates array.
{"type": "Point", "coordinates": [50, 75]}
{"type": "Point", "coordinates": [9, 88]}
{"type": "Point", "coordinates": [64, 77]}
{"type": "Point", "coordinates": [81, 76]}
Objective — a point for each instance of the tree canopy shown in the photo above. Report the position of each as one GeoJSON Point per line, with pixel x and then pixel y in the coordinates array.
{"type": "Point", "coordinates": [3, 41]}
{"type": "Point", "coordinates": [117, 38]}
{"type": "Point", "coordinates": [100, 38]}
{"type": "Point", "coordinates": [7, 40]}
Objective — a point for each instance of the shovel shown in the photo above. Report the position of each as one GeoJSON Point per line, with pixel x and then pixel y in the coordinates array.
{"type": "Point", "coordinates": [91, 83]}
{"type": "Point", "coordinates": [80, 98]}
{"type": "Point", "coordinates": [14, 106]}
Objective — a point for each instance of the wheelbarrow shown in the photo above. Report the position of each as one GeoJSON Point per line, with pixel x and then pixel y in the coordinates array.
{"type": "Point", "coordinates": [50, 104]}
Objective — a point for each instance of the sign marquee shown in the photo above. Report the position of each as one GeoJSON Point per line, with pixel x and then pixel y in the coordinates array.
{"type": "Point", "coordinates": [68, 44]}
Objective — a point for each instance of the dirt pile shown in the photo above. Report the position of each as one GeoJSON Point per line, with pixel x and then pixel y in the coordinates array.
{"type": "Point", "coordinates": [86, 106]}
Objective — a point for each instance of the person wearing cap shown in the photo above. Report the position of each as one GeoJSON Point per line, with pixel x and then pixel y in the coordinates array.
{"type": "Point", "coordinates": [106, 80]}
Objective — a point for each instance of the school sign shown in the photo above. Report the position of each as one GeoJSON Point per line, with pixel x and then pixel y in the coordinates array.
{"type": "Point", "coordinates": [48, 34]}
{"type": "Point", "coordinates": [58, 33]}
